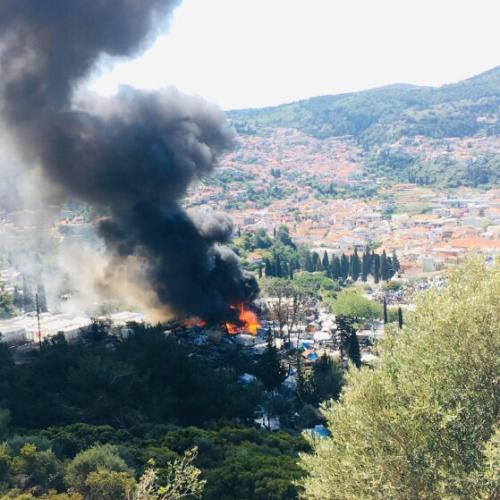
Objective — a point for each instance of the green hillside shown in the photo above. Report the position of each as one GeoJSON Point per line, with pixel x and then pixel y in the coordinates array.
{"type": "Point", "coordinates": [387, 113]}
{"type": "Point", "coordinates": [379, 117]}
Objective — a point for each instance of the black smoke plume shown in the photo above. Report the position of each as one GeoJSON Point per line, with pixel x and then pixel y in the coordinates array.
{"type": "Point", "coordinates": [131, 157]}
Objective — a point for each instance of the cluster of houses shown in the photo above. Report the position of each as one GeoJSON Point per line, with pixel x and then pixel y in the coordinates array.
{"type": "Point", "coordinates": [429, 228]}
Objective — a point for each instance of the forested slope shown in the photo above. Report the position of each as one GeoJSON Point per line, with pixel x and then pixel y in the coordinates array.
{"type": "Point", "coordinates": [381, 117]}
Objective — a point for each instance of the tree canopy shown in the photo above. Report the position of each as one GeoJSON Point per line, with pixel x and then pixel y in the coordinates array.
{"type": "Point", "coordinates": [424, 423]}
{"type": "Point", "coordinates": [352, 303]}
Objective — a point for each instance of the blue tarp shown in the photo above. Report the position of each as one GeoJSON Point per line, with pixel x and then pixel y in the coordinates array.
{"type": "Point", "coordinates": [313, 356]}
{"type": "Point", "coordinates": [321, 431]}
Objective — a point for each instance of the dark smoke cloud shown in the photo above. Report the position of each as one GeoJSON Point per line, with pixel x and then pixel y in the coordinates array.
{"type": "Point", "coordinates": [131, 157]}
{"type": "Point", "coordinates": [50, 45]}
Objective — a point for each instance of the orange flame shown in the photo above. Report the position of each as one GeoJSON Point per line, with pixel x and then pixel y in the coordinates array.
{"type": "Point", "coordinates": [192, 322]}
{"type": "Point", "coordinates": [249, 322]}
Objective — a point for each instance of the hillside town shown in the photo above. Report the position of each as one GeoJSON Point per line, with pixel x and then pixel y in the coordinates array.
{"type": "Point", "coordinates": [249, 250]}
{"type": "Point", "coordinates": [317, 188]}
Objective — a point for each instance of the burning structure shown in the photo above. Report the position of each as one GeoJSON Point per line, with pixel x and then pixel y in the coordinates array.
{"type": "Point", "coordinates": [247, 321]}
{"type": "Point", "coordinates": [130, 157]}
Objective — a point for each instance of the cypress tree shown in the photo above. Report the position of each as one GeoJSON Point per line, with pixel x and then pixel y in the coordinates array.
{"type": "Point", "coordinates": [268, 267]}
{"type": "Point", "coordinates": [336, 272]}
{"type": "Point", "coordinates": [301, 381]}
{"type": "Point", "coordinates": [342, 323]}
{"type": "Point", "coordinates": [376, 267]}
{"type": "Point", "coordinates": [309, 263]}
{"type": "Point", "coordinates": [326, 262]}
{"type": "Point", "coordinates": [269, 369]}
{"type": "Point", "coordinates": [365, 268]}
{"type": "Point", "coordinates": [348, 339]}
{"type": "Point", "coordinates": [384, 267]}
{"type": "Point", "coordinates": [355, 265]}
{"type": "Point", "coordinates": [400, 317]}
{"type": "Point", "coordinates": [315, 262]}
{"type": "Point", "coordinates": [395, 262]}
{"type": "Point", "coordinates": [319, 266]}
{"type": "Point", "coordinates": [278, 271]}
{"type": "Point", "coordinates": [344, 267]}
{"type": "Point", "coordinates": [390, 265]}
{"type": "Point", "coordinates": [353, 350]}
{"type": "Point", "coordinates": [386, 318]}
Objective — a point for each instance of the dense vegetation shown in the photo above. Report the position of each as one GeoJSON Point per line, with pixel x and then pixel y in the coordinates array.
{"type": "Point", "coordinates": [144, 378]}
{"type": "Point", "coordinates": [395, 164]}
{"type": "Point", "coordinates": [147, 397]}
{"type": "Point", "coordinates": [143, 416]}
{"type": "Point", "coordinates": [118, 400]}
{"type": "Point", "coordinates": [236, 462]}
{"type": "Point", "coordinates": [281, 257]}
{"type": "Point", "coordinates": [424, 424]}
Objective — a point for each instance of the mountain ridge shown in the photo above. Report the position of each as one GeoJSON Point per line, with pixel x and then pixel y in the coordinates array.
{"type": "Point", "coordinates": [495, 71]}
{"type": "Point", "coordinates": [388, 121]}
{"type": "Point", "coordinates": [356, 113]}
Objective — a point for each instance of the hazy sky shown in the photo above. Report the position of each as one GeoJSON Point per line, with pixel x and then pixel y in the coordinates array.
{"type": "Point", "coordinates": [247, 53]}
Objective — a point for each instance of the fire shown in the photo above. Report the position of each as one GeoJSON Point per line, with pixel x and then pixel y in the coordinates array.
{"type": "Point", "coordinates": [192, 322]}
{"type": "Point", "coordinates": [249, 322]}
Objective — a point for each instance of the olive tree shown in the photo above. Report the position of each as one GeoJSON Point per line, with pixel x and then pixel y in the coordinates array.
{"type": "Point", "coordinates": [424, 423]}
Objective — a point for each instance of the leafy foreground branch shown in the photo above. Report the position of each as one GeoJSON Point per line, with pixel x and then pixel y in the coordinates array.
{"type": "Point", "coordinates": [183, 480]}
{"type": "Point", "coordinates": [424, 424]}
{"type": "Point", "coordinates": [100, 474]}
